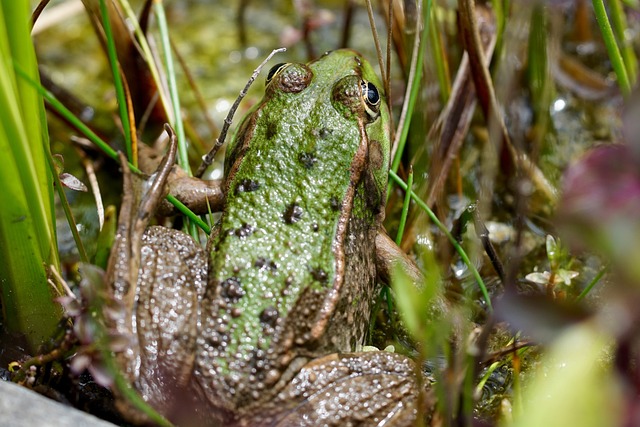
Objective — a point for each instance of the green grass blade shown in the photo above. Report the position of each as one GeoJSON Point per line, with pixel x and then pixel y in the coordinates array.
{"type": "Point", "coordinates": [446, 232]}
{"type": "Point", "coordinates": [617, 62]}
{"type": "Point", "coordinates": [117, 81]}
{"type": "Point", "coordinates": [27, 232]}
{"type": "Point", "coordinates": [414, 89]}
{"type": "Point", "coordinates": [183, 158]}
{"type": "Point", "coordinates": [619, 22]}
{"type": "Point", "coordinates": [405, 208]}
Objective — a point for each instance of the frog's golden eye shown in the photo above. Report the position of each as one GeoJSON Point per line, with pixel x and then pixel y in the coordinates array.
{"type": "Point", "coordinates": [273, 71]}
{"type": "Point", "coordinates": [371, 98]}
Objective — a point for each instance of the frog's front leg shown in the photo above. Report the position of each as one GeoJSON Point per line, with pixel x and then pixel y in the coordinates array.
{"type": "Point", "coordinates": [366, 389]}
{"type": "Point", "coordinates": [390, 258]}
{"type": "Point", "coordinates": [200, 196]}
{"type": "Point", "coordinates": [157, 275]}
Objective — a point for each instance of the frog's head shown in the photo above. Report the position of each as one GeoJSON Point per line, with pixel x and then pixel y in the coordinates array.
{"type": "Point", "coordinates": [334, 105]}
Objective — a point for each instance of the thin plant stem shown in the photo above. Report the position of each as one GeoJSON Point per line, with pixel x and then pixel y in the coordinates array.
{"type": "Point", "coordinates": [67, 208]}
{"type": "Point", "coordinates": [208, 158]}
{"type": "Point", "coordinates": [446, 232]}
{"type": "Point", "coordinates": [617, 62]}
{"type": "Point", "coordinates": [183, 156]}
{"type": "Point", "coordinates": [117, 81]}
{"type": "Point", "coordinates": [413, 87]}
{"type": "Point", "coordinates": [592, 283]}
{"type": "Point", "coordinates": [405, 208]}
{"type": "Point", "coordinates": [619, 22]}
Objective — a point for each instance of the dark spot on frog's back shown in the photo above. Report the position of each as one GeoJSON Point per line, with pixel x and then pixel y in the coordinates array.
{"type": "Point", "coordinates": [308, 160]}
{"type": "Point", "coordinates": [269, 316]}
{"type": "Point", "coordinates": [271, 130]}
{"type": "Point", "coordinates": [243, 231]}
{"type": "Point", "coordinates": [247, 185]}
{"type": "Point", "coordinates": [319, 275]}
{"type": "Point", "coordinates": [265, 264]}
{"type": "Point", "coordinates": [292, 213]}
{"type": "Point", "coordinates": [335, 204]}
{"type": "Point", "coordinates": [325, 133]}
{"type": "Point", "coordinates": [231, 289]}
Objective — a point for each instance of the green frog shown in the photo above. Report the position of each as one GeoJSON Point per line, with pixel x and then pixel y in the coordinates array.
{"type": "Point", "coordinates": [263, 326]}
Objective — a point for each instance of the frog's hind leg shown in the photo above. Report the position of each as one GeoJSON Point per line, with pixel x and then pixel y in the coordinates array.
{"type": "Point", "coordinates": [157, 275]}
{"type": "Point", "coordinates": [172, 277]}
{"type": "Point", "coordinates": [366, 389]}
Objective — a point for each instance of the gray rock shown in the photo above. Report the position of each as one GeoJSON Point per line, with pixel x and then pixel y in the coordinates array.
{"type": "Point", "coordinates": [21, 407]}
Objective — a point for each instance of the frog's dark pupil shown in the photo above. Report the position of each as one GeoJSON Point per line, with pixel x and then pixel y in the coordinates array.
{"type": "Point", "coordinates": [371, 100]}
{"type": "Point", "coordinates": [373, 97]}
{"type": "Point", "coordinates": [273, 71]}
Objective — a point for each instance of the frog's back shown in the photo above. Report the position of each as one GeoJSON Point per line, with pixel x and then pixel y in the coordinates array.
{"type": "Point", "coordinates": [295, 216]}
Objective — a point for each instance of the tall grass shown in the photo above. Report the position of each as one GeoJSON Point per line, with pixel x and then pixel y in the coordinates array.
{"type": "Point", "coordinates": [27, 233]}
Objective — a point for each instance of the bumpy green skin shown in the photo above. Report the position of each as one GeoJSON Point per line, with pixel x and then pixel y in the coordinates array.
{"type": "Point", "coordinates": [305, 184]}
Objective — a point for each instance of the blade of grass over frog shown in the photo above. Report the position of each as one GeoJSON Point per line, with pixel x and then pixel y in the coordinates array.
{"type": "Point", "coordinates": [405, 208]}
{"type": "Point", "coordinates": [413, 88]}
{"type": "Point", "coordinates": [208, 159]}
{"type": "Point", "coordinates": [67, 210]}
{"type": "Point", "coordinates": [617, 62]}
{"type": "Point", "coordinates": [27, 232]}
{"type": "Point", "coordinates": [183, 156]}
{"type": "Point", "coordinates": [387, 83]}
{"type": "Point", "coordinates": [89, 134]}
{"type": "Point", "coordinates": [187, 212]}
{"type": "Point", "coordinates": [619, 21]}
{"type": "Point", "coordinates": [592, 283]}
{"type": "Point", "coordinates": [117, 82]}
{"type": "Point", "coordinates": [453, 241]}
{"type": "Point", "coordinates": [487, 373]}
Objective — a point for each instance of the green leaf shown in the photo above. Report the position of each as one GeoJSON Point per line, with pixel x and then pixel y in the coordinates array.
{"type": "Point", "coordinates": [27, 233]}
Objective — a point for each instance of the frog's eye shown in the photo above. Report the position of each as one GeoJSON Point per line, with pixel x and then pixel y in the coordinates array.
{"type": "Point", "coordinates": [371, 98]}
{"type": "Point", "coordinates": [273, 71]}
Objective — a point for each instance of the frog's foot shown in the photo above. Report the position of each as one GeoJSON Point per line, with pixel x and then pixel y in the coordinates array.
{"type": "Point", "coordinates": [365, 389]}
